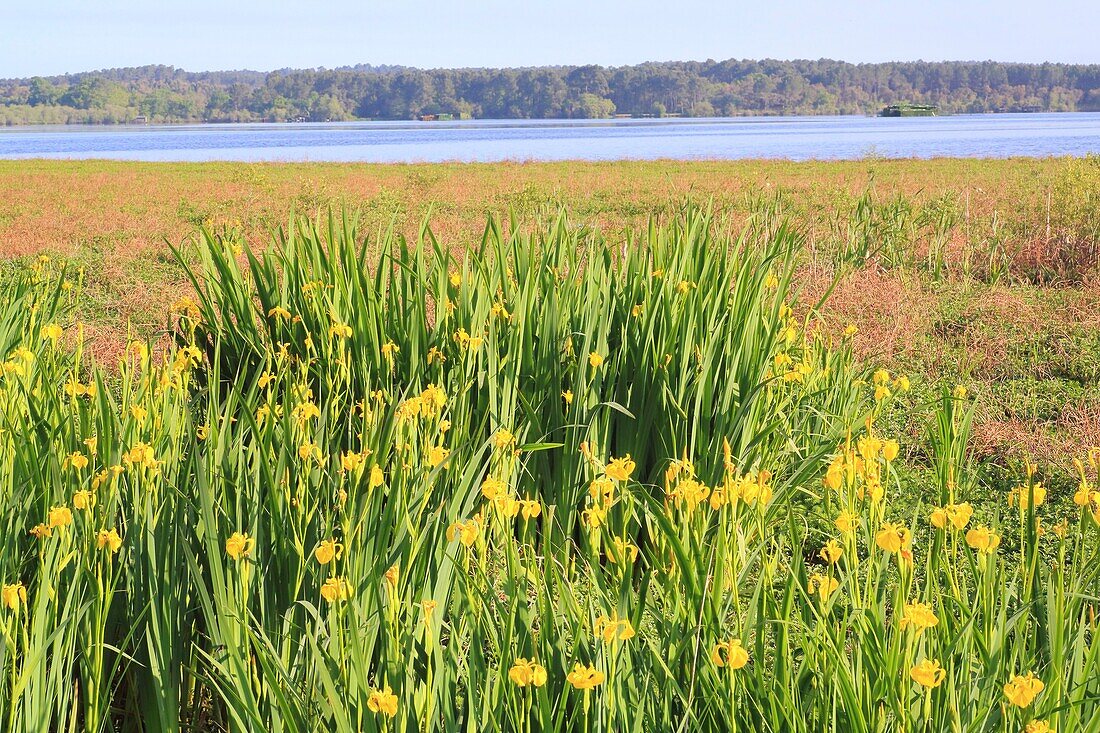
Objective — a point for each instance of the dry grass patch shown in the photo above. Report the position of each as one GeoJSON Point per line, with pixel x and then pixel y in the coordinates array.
{"type": "Point", "coordinates": [890, 309]}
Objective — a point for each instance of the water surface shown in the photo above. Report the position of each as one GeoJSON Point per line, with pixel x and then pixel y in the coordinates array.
{"type": "Point", "coordinates": [795, 138]}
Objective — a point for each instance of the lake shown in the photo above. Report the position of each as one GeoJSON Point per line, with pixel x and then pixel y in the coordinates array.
{"type": "Point", "coordinates": [795, 138]}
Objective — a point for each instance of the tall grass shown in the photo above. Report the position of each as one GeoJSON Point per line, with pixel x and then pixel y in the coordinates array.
{"type": "Point", "coordinates": [549, 483]}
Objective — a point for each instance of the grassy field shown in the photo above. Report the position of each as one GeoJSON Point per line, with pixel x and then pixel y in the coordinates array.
{"type": "Point", "coordinates": [811, 453]}
{"type": "Point", "coordinates": [976, 271]}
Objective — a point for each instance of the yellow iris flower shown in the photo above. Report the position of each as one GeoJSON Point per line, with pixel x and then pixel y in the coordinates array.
{"type": "Point", "coordinates": [619, 469]}
{"type": "Point", "coordinates": [928, 673]}
{"type": "Point", "coordinates": [59, 516]}
{"type": "Point", "coordinates": [239, 546]}
{"type": "Point", "coordinates": [1022, 690]}
{"type": "Point", "coordinates": [383, 702]}
{"type": "Point", "coordinates": [983, 539]}
{"type": "Point", "coordinates": [918, 616]}
{"type": "Point", "coordinates": [83, 500]}
{"type": "Point", "coordinates": [526, 672]}
{"type": "Point", "coordinates": [335, 589]}
{"type": "Point", "coordinates": [893, 538]}
{"type": "Point", "coordinates": [831, 552]}
{"type": "Point", "coordinates": [585, 677]}
{"type": "Point", "coordinates": [108, 539]}
{"type": "Point", "coordinates": [14, 596]}
{"type": "Point", "coordinates": [729, 654]}
{"type": "Point", "coordinates": [328, 551]}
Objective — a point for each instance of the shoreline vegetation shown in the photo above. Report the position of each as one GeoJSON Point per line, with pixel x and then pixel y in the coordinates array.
{"type": "Point", "coordinates": [164, 94]}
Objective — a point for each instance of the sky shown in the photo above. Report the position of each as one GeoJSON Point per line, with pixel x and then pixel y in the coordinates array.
{"type": "Point", "coordinates": [50, 37]}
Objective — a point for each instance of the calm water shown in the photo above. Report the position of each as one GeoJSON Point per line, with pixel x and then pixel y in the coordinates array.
{"type": "Point", "coordinates": [796, 138]}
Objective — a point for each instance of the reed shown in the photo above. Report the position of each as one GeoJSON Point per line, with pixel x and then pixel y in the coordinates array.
{"type": "Point", "coordinates": [554, 483]}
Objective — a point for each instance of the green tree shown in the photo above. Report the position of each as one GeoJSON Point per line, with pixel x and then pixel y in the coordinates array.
{"type": "Point", "coordinates": [43, 92]}
{"type": "Point", "coordinates": [591, 107]}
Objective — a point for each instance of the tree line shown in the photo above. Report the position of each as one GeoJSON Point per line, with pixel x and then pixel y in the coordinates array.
{"type": "Point", "coordinates": [689, 88]}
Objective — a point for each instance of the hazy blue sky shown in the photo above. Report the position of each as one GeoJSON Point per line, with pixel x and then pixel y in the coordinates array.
{"type": "Point", "coordinates": [57, 36]}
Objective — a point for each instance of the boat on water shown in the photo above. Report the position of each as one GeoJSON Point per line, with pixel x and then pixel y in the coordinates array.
{"type": "Point", "coordinates": [908, 110]}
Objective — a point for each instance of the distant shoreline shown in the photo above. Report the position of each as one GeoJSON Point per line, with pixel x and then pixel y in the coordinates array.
{"type": "Point", "coordinates": [731, 87]}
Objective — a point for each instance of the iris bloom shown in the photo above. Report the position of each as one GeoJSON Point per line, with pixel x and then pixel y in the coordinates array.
{"type": "Point", "coordinates": [918, 616]}
{"type": "Point", "coordinates": [594, 517]}
{"type": "Point", "coordinates": [340, 330]}
{"type": "Point", "coordinates": [619, 469]}
{"type": "Point", "coordinates": [383, 702]}
{"type": "Point", "coordinates": [602, 490]}
{"type": "Point", "coordinates": [351, 461]}
{"type": "Point", "coordinates": [626, 551]}
{"type": "Point", "coordinates": [890, 450]}
{"type": "Point", "coordinates": [376, 477]}
{"type": "Point", "coordinates": [612, 628]}
{"type": "Point", "coordinates": [328, 551]}
{"type": "Point", "coordinates": [239, 546]}
{"type": "Point", "coordinates": [928, 673]}
{"type": "Point", "coordinates": [465, 532]}
{"type": "Point", "coordinates": [834, 476]}
{"type": "Point", "coordinates": [729, 654]}
{"type": "Point", "coordinates": [823, 585]}
{"type": "Point", "coordinates": [75, 389]}
{"type": "Point", "coordinates": [108, 539]}
{"type": "Point", "coordinates": [983, 539]}
{"type": "Point", "coordinates": [305, 412]}
{"type": "Point", "coordinates": [14, 596]}
{"type": "Point", "coordinates": [893, 538]}
{"type": "Point", "coordinates": [1023, 495]}
{"type": "Point", "coordinates": [84, 500]}
{"type": "Point", "coordinates": [846, 522]}
{"type": "Point", "coordinates": [831, 552]}
{"type": "Point", "coordinates": [335, 589]}
{"type": "Point", "coordinates": [527, 672]}
{"type": "Point", "coordinates": [437, 455]}
{"type": "Point", "coordinates": [493, 488]}
{"type": "Point", "coordinates": [530, 508]}
{"type": "Point", "coordinates": [140, 454]}
{"type": "Point", "coordinates": [958, 515]}
{"type": "Point", "coordinates": [1022, 690]}
{"type": "Point", "coordinates": [53, 332]}
{"type": "Point", "coordinates": [59, 516]}
{"type": "Point", "coordinates": [585, 678]}
{"type": "Point", "coordinates": [504, 438]}
{"type": "Point", "coordinates": [689, 492]}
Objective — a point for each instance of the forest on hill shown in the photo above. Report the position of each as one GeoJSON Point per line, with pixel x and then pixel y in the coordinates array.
{"type": "Point", "coordinates": [691, 88]}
